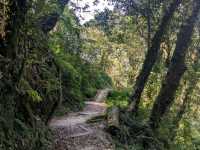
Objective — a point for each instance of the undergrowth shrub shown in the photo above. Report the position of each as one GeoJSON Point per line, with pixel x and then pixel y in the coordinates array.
{"type": "Point", "coordinates": [24, 136]}
{"type": "Point", "coordinates": [118, 98]}
{"type": "Point", "coordinates": [32, 138]}
{"type": "Point", "coordinates": [133, 133]}
{"type": "Point", "coordinates": [80, 81]}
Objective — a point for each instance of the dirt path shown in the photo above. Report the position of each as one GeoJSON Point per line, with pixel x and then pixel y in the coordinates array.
{"type": "Point", "coordinates": [72, 132]}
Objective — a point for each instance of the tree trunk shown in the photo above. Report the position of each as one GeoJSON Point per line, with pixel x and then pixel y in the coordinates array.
{"type": "Point", "coordinates": [151, 56]}
{"type": "Point", "coordinates": [193, 81]}
{"type": "Point", "coordinates": [14, 10]}
{"type": "Point", "coordinates": [57, 103]}
{"type": "Point", "coordinates": [113, 117]}
{"type": "Point", "coordinates": [175, 71]}
{"type": "Point", "coordinates": [10, 65]}
{"type": "Point", "coordinates": [113, 123]}
{"type": "Point", "coordinates": [149, 25]}
{"type": "Point", "coordinates": [182, 110]}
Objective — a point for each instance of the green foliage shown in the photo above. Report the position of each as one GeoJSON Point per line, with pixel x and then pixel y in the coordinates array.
{"type": "Point", "coordinates": [68, 65]}
{"type": "Point", "coordinates": [32, 138]}
{"type": "Point", "coordinates": [119, 98]}
{"type": "Point", "coordinates": [108, 43]}
{"type": "Point", "coordinates": [34, 96]}
{"type": "Point", "coordinates": [80, 79]}
{"type": "Point", "coordinates": [25, 89]}
{"type": "Point", "coordinates": [25, 137]}
{"type": "Point", "coordinates": [102, 80]}
{"type": "Point", "coordinates": [67, 35]}
{"type": "Point", "coordinates": [134, 134]}
{"type": "Point", "coordinates": [40, 87]}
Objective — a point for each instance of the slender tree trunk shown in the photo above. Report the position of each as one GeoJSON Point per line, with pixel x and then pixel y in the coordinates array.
{"type": "Point", "coordinates": [193, 81]}
{"type": "Point", "coordinates": [182, 109]}
{"type": "Point", "coordinates": [149, 25]}
{"type": "Point", "coordinates": [151, 56]}
{"type": "Point", "coordinates": [175, 71]}
{"type": "Point", "coordinates": [57, 103]}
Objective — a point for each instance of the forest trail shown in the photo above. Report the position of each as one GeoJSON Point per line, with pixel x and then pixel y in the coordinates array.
{"type": "Point", "coordinates": [72, 132]}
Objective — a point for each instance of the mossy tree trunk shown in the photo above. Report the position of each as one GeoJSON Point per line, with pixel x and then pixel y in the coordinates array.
{"type": "Point", "coordinates": [10, 64]}
{"type": "Point", "coordinates": [57, 103]}
{"type": "Point", "coordinates": [151, 56]}
{"type": "Point", "coordinates": [175, 71]}
{"type": "Point", "coordinates": [182, 110]}
{"type": "Point", "coordinates": [192, 84]}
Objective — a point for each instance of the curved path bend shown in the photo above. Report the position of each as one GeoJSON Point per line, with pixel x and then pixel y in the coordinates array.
{"type": "Point", "coordinates": [72, 132]}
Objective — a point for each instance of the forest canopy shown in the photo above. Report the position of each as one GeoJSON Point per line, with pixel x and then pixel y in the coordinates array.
{"type": "Point", "coordinates": [56, 56]}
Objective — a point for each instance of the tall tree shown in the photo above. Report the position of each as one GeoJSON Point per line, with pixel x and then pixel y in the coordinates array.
{"type": "Point", "coordinates": [187, 94]}
{"type": "Point", "coordinates": [176, 69]}
{"type": "Point", "coordinates": [10, 63]}
{"type": "Point", "coordinates": [151, 56]}
{"type": "Point", "coordinates": [13, 19]}
{"type": "Point", "coordinates": [183, 108]}
{"type": "Point", "coordinates": [149, 24]}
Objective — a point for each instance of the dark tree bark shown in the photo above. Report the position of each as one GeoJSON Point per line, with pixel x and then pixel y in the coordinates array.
{"type": "Point", "coordinates": [193, 81]}
{"type": "Point", "coordinates": [63, 2]}
{"type": "Point", "coordinates": [182, 108]}
{"type": "Point", "coordinates": [151, 56]}
{"type": "Point", "coordinates": [57, 103]}
{"type": "Point", "coordinates": [149, 25]}
{"type": "Point", "coordinates": [47, 23]}
{"type": "Point", "coordinates": [175, 71]}
{"type": "Point", "coordinates": [15, 17]}
{"type": "Point", "coordinates": [10, 65]}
